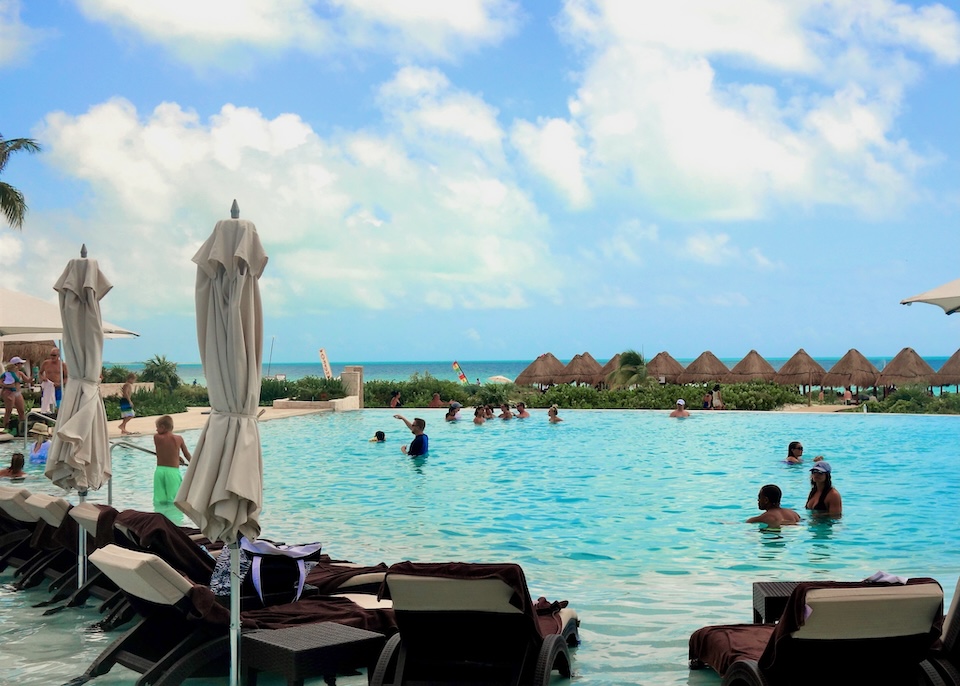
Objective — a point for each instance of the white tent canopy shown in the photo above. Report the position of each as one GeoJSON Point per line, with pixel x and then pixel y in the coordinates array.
{"type": "Point", "coordinates": [946, 296]}
{"type": "Point", "coordinates": [27, 318]}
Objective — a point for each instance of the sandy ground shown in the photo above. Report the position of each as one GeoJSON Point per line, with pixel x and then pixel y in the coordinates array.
{"type": "Point", "coordinates": [196, 417]}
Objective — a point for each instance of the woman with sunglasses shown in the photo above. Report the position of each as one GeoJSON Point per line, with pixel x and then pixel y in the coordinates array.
{"type": "Point", "coordinates": [795, 453]}
{"type": "Point", "coordinates": [823, 496]}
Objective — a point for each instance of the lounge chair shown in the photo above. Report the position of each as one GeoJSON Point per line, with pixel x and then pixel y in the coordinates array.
{"type": "Point", "coordinates": [36, 550]}
{"type": "Point", "coordinates": [830, 633]}
{"type": "Point", "coordinates": [945, 659]}
{"type": "Point", "coordinates": [184, 630]}
{"type": "Point", "coordinates": [472, 623]}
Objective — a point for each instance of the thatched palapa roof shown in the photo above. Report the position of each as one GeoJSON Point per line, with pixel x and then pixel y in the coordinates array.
{"type": "Point", "coordinates": [33, 352]}
{"type": "Point", "coordinates": [751, 368]}
{"type": "Point", "coordinates": [949, 373]}
{"type": "Point", "coordinates": [612, 365]}
{"type": "Point", "coordinates": [582, 369]}
{"type": "Point", "coordinates": [853, 369]}
{"type": "Point", "coordinates": [800, 370]}
{"type": "Point", "coordinates": [543, 371]}
{"type": "Point", "coordinates": [906, 368]}
{"type": "Point", "coordinates": [705, 368]}
{"type": "Point", "coordinates": [664, 366]}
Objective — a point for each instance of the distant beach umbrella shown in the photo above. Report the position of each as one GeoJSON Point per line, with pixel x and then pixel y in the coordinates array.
{"type": "Point", "coordinates": [704, 369]}
{"type": "Point", "coordinates": [582, 369]}
{"type": "Point", "coordinates": [751, 368]}
{"type": "Point", "coordinates": [853, 369]}
{"type": "Point", "coordinates": [949, 373]}
{"type": "Point", "coordinates": [800, 370]}
{"type": "Point", "coordinates": [543, 371]}
{"type": "Point", "coordinates": [946, 297]}
{"type": "Point", "coordinates": [664, 368]}
{"type": "Point", "coordinates": [499, 379]}
{"type": "Point", "coordinates": [906, 368]}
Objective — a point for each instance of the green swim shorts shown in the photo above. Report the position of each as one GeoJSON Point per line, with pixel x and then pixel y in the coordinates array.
{"type": "Point", "coordinates": [166, 483]}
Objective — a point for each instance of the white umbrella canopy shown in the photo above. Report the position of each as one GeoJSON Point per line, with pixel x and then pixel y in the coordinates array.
{"type": "Point", "coordinates": [28, 318]}
{"type": "Point", "coordinates": [946, 297]}
{"type": "Point", "coordinates": [79, 456]}
{"type": "Point", "coordinates": [223, 487]}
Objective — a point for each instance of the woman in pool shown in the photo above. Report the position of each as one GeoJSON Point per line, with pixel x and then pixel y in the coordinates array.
{"type": "Point", "coordinates": [795, 453]}
{"type": "Point", "coordinates": [479, 415]}
{"type": "Point", "coordinates": [15, 470]}
{"type": "Point", "coordinates": [552, 414]}
{"type": "Point", "coordinates": [41, 446]}
{"type": "Point", "coordinates": [823, 496]}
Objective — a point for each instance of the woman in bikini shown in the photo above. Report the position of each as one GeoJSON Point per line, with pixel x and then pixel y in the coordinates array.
{"type": "Point", "coordinates": [823, 496]}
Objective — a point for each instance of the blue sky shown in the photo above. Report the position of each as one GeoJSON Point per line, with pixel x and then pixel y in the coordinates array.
{"type": "Point", "coordinates": [488, 179]}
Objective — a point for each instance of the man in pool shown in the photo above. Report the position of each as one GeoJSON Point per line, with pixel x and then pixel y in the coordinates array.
{"type": "Point", "coordinates": [681, 410]}
{"type": "Point", "coordinates": [420, 444]}
{"type": "Point", "coordinates": [768, 500]}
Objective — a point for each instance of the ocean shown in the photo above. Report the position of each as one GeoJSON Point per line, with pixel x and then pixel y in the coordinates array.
{"type": "Point", "coordinates": [475, 370]}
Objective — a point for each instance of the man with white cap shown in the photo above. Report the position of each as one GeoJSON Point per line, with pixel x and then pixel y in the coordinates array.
{"type": "Point", "coordinates": [681, 410]}
{"type": "Point", "coordinates": [10, 381]}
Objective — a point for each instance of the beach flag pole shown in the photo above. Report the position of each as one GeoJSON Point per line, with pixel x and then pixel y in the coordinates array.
{"type": "Point", "coordinates": [459, 371]}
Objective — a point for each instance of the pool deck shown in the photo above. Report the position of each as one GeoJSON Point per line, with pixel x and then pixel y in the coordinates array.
{"type": "Point", "coordinates": [196, 417]}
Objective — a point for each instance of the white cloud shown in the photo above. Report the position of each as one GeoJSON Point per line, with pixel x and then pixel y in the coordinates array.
{"type": "Point", "coordinates": [761, 260]}
{"type": "Point", "coordinates": [362, 219]}
{"type": "Point", "coordinates": [17, 39]}
{"type": "Point", "coordinates": [552, 148]}
{"type": "Point", "coordinates": [710, 248]}
{"type": "Point", "coordinates": [626, 244]}
{"type": "Point", "coordinates": [221, 31]}
{"type": "Point", "coordinates": [722, 110]}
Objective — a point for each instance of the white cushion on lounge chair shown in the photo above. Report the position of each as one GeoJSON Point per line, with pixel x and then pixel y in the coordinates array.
{"type": "Point", "coordinates": [13, 502]}
{"type": "Point", "coordinates": [49, 508]}
{"type": "Point", "coordinates": [86, 514]}
{"type": "Point", "coordinates": [432, 593]}
{"type": "Point", "coordinates": [885, 611]}
{"type": "Point", "coordinates": [141, 574]}
{"type": "Point", "coordinates": [368, 601]}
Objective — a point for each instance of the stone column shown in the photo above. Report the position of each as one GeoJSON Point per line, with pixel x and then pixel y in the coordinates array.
{"type": "Point", "coordinates": [352, 377]}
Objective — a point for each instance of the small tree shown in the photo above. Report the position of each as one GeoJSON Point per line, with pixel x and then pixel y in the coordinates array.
{"type": "Point", "coordinates": [161, 371]}
{"type": "Point", "coordinates": [13, 206]}
{"type": "Point", "coordinates": [631, 372]}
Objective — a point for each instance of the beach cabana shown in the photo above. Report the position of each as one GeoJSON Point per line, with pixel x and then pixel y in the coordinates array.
{"type": "Point", "coordinates": [949, 373]}
{"type": "Point", "coordinates": [751, 368]}
{"type": "Point", "coordinates": [800, 370]}
{"type": "Point", "coordinates": [664, 368]}
{"type": "Point", "coordinates": [853, 369]}
{"type": "Point", "coordinates": [704, 369]}
{"type": "Point", "coordinates": [906, 368]}
{"type": "Point", "coordinates": [612, 365]}
{"type": "Point", "coordinates": [582, 369]}
{"type": "Point", "coordinates": [543, 371]}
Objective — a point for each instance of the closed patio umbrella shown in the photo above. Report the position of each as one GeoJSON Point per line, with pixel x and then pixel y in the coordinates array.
{"type": "Point", "coordinates": [222, 489]}
{"type": "Point", "coordinates": [79, 456]}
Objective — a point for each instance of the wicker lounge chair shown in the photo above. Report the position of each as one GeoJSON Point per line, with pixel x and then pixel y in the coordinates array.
{"type": "Point", "coordinates": [472, 623]}
{"type": "Point", "coordinates": [829, 632]}
{"type": "Point", "coordinates": [183, 630]}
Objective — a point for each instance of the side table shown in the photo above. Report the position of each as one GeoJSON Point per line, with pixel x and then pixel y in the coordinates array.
{"type": "Point", "coordinates": [770, 599]}
{"type": "Point", "coordinates": [308, 650]}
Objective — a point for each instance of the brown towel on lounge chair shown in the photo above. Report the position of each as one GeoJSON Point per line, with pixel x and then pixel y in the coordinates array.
{"type": "Point", "coordinates": [105, 535]}
{"type": "Point", "coordinates": [168, 541]}
{"type": "Point", "coordinates": [204, 607]}
{"type": "Point", "coordinates": [721, 646]}
{"type": "Point", "coordinates": [328, 578]}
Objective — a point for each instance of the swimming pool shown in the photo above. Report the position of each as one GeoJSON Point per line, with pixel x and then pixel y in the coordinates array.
{"type": "Point", "coordinates": [636, 518]}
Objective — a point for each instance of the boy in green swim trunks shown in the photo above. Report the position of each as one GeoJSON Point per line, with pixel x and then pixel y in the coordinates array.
{"type": "Point", "coordinates": [169, 446]}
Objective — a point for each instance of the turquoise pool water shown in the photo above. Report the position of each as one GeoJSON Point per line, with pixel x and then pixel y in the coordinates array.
{"type": "Point", "coordinates": [634, 517]}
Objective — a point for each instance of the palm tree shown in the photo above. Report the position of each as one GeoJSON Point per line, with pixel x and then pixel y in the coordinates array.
{"type": "Point", "coordinates": [631, 372]}
{"type": "Point", "coordinates": [12, 203]}
{"type": "Point", "coordinates": [161, 372]}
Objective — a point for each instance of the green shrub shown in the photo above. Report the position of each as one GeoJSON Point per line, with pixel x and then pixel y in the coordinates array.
{"type": "Point", "coordinates": [193, 396]}
{"type": "Point", "coordinates": [274, 389]}
{"type": "Point", "coordinates": [148, 404]}
{"type": "Point", "coordinates": [317, 388]}
{"type": "Point", "coordinates": [115, 374]}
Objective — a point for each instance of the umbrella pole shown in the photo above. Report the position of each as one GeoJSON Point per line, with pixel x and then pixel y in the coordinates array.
{"type": "Point", "coordinates": [81, 548]}
{"type": "Point", "coordinates": [235, 613]}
